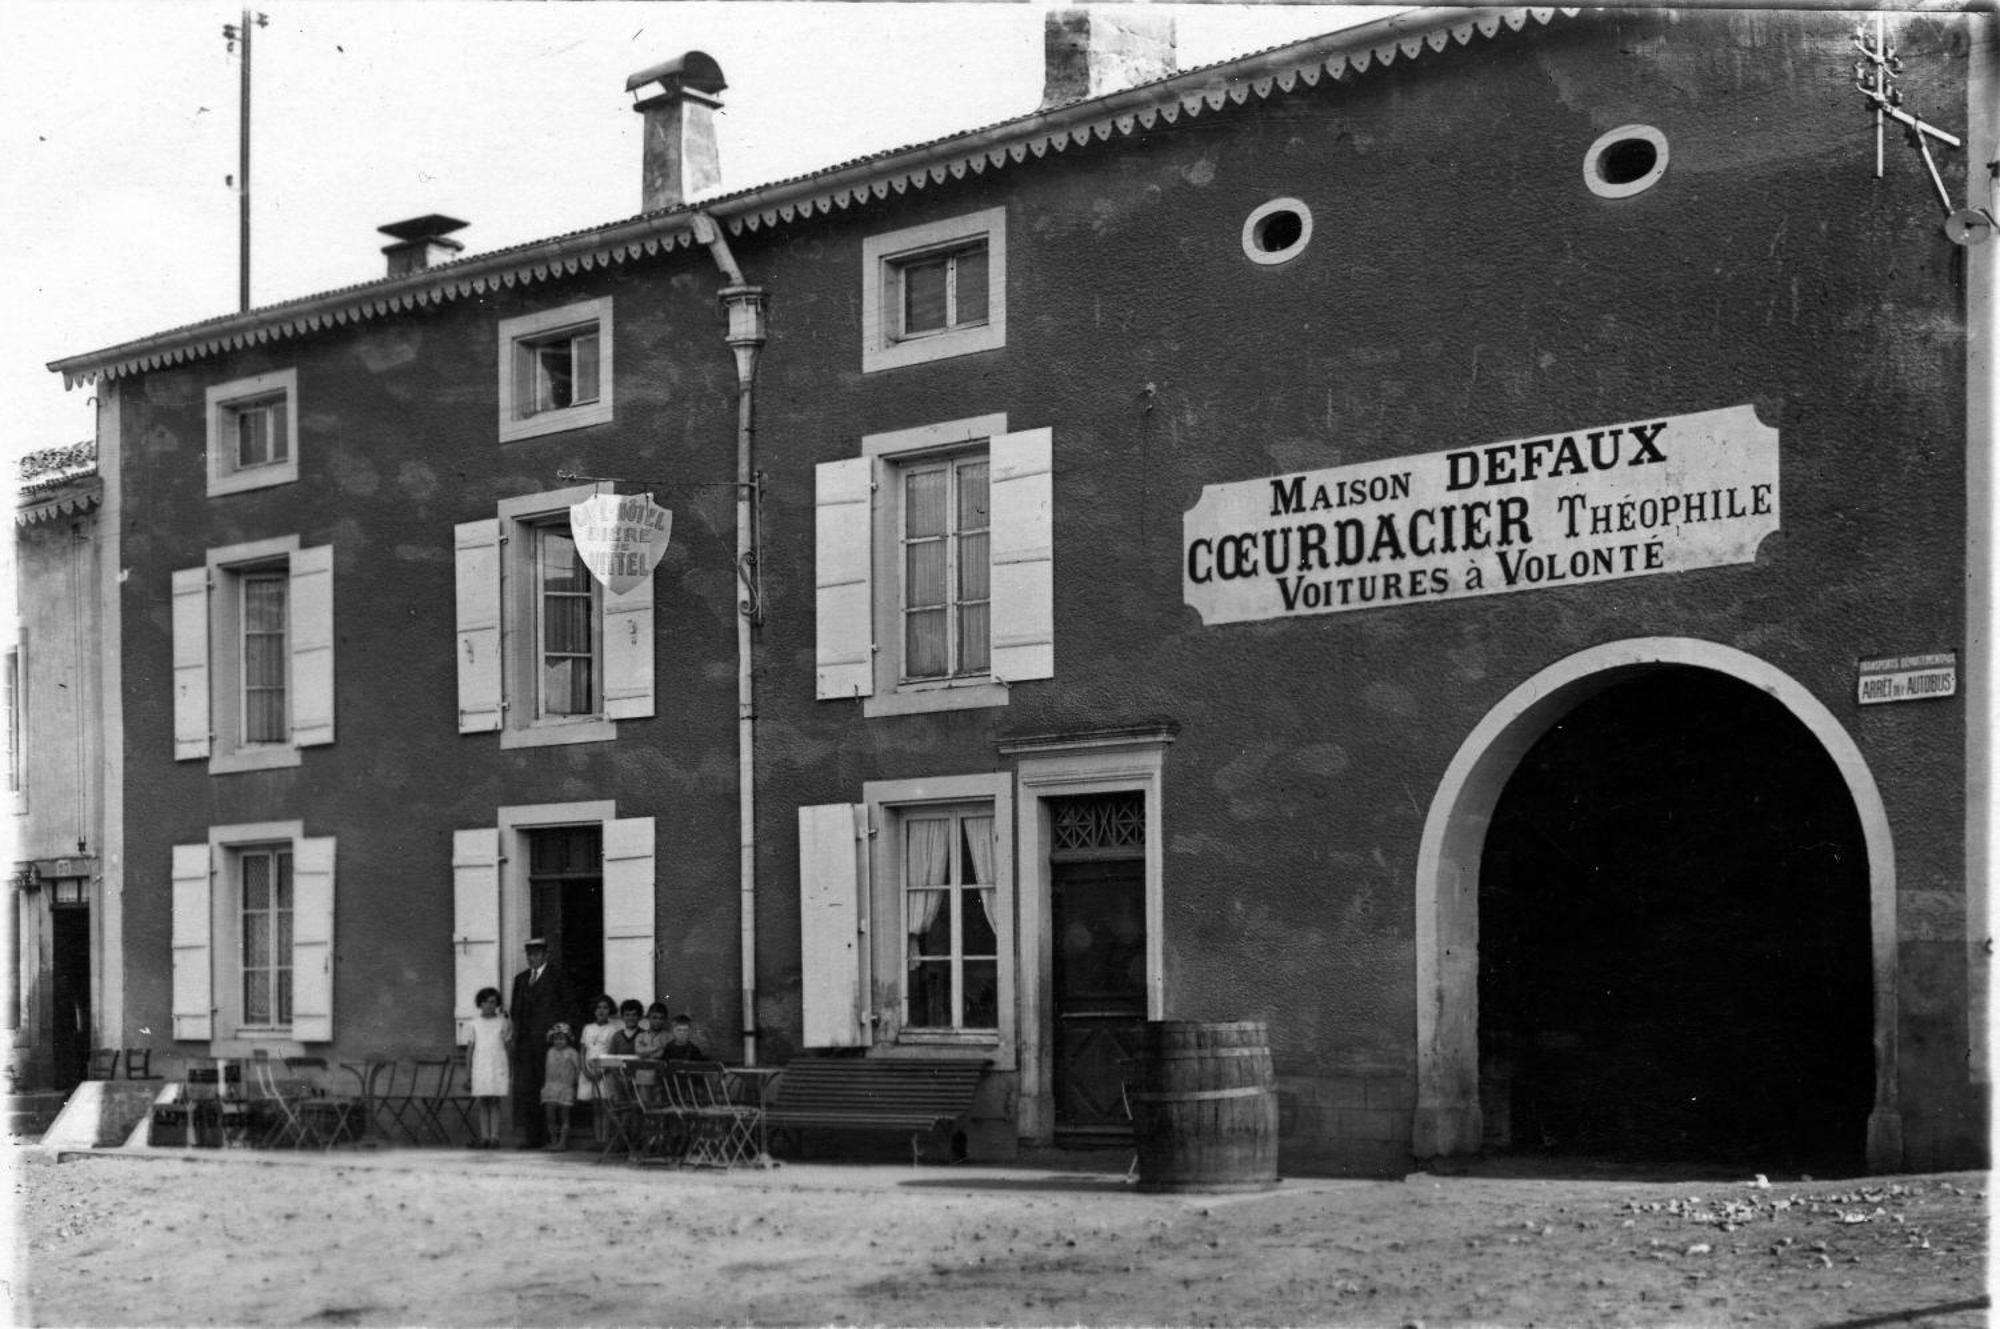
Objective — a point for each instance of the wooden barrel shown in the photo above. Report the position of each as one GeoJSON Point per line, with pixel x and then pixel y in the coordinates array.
{"type": "Point", "coordinates": [1205, 1117]}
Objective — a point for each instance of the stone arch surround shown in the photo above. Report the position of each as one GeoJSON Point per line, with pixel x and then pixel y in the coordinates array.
{"type": "Point", "coordinates": [1448, 1118]}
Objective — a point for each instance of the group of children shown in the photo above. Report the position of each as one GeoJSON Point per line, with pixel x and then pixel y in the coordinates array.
{"type": "Point", "coordinates": [572, 1072]}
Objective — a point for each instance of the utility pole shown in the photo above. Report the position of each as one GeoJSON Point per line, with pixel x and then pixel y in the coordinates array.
{"type": "Point", "coordinates": [235, 32]}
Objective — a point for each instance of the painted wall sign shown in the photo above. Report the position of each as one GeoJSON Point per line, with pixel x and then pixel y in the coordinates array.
{"type": "Point", "coordinates": [1636, 499]}
{"type": "Point", "coordinates": [620, 539]}
{"type": "Point", "coordinates": [1908, 678]}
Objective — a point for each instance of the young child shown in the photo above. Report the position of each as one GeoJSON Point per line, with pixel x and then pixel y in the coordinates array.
{"type": "Point", "coordinates": [487, 1040]}
{"type": "Point", "coordinates": [559, 1086]}
{"type": "Point", "coordinates": [595, 1041]}
{"type": "Point", "coordinates": [649, 1043]}
{"type": "Point", "coordinates": [625, 1039]}
{"type": "Point", "coordinates": [680, 1045]}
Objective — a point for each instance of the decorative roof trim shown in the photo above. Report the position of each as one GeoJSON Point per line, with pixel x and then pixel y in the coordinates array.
{"type": "Point", "coordinates": [86, 496]}
{"type": "Point", "coordinates": [1196, 92]}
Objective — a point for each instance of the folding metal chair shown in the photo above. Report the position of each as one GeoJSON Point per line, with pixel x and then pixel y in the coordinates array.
{"type": "Point", "coordinates": [323, 1118]}
{"type": "Point", "coordinates": [723, 1132]}
{"type": "Point", "coordinates": [391, 1098]}
{"type": "Point", "coordinates": [451, 1105]}
{"type": "Point", "coordinates": [625, 1122]}
{"type": "Point", "coordinates": [278, 1097]}
{"type": "Point", "coordinates": [668, 1119]}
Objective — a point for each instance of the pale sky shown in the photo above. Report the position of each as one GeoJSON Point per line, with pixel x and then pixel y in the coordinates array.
{"type": "Point", "coordinates": [120, 123]}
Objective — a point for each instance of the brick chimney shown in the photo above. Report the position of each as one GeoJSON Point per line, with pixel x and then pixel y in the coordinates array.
{"type": "Point", "coordinates": [1089, 52]}
{"type": "Point", "coordinates": [421, 242]}
{"type": "Point", "coordinates": [678, 157]}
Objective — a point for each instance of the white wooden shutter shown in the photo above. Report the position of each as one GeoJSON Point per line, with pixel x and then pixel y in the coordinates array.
{"type": "Point", "coordinates": [1023, 556]}
{"type": "Point", "coordinates": [194, 982]}
{"type": "Point", "coordinates": [832, 946]}
{"type": "Point", "coordinates": [475, 924]}
{"type": "Point", "coordinates": [191, 665]}
{"type": "Point", "coordinates": [629, 911]}
{"type": "Point", "coordinates": [312, 940]}
{"type": "Point", "coordinates": [312, 645]}
{"type": "Point", "coordinates": [628, 652]}
{"type": "Point", "coordinates": [843, 548]}
{"type": "Point", "coordinates": [477, 549]}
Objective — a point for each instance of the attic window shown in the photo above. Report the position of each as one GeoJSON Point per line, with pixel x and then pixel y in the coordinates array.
{"type": "Point", "coordinates": [1277, 231]}
{"type": "Point", "coordinates": [1625, 161]}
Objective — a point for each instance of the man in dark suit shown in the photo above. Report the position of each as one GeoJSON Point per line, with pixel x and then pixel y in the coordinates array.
{"type": "Point", "coordinates": [541, 997]}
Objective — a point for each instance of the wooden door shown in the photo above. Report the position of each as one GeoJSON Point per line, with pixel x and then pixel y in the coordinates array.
{"type": "Point", "coordinates": [1098, 913]}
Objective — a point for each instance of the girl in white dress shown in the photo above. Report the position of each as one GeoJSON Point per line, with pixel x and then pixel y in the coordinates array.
{"type": "Point", "coordinates": [486, 1042]}
{"type": "Point", "coordinates": [596, 1041]}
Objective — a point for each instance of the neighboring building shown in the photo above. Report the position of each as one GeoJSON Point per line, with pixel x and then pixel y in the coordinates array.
{"type": "Point", "coordinates": [1400, 536]}
{"type": "Point", "coordinates": [55, 758]}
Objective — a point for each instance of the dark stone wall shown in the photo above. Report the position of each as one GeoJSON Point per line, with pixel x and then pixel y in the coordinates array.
{"type": "Point", "coordinates": [1462, 287]}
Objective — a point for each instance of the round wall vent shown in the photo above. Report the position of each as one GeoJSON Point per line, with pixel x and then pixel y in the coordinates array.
{"type": "Point", "coordinates": [1277, 231]}
{"type": "Point", "coordinates": [1625, 161]}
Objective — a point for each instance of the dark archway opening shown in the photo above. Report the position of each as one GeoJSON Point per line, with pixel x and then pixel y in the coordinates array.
{"type": "Point", "coordinates": [1674, 937]}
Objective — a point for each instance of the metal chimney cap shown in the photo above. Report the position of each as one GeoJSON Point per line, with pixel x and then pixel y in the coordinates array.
{"type": "Point", "coordinates": [428, 227]}
{"type": "Point", "coordinates": [696, 70]}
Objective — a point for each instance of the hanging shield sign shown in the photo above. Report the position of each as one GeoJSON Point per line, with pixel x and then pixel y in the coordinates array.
{"type": "Point", "coordinates": [620, 539]}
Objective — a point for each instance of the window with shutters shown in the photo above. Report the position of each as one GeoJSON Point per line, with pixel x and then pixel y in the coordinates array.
{"type": "Point", "coordinates": [934, 291]}
{"type": "Point", "coordinates": [555, 370]}
{"type": "Point", "coordinates": [264, 890]}
{"type": "Point", "coordinates": [934, 568]}
{"type": "Point", "coordinates": [546, 654]}
{"type": "Point", "coordinates": [253, 439]}
{"type": "Point", "coordinates": [253, 950]}
{"type": "Point", "coordinates": [253, 655]}
{"type": "Point", "coordinates": [906, 907]}
{"type": "Point", "coordinates": [944, 596]}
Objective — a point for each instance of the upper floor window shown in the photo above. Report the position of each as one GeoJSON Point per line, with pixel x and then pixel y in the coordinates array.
{"type": "Point", "coordinates": [934, 567]}
{"type": "Point", "coordinates": [568, 606]}
{"type": "Point", "coordinates": [545, 653]}
{"type": "Point", "coordinates": [946, 595]}
{"type": "Point", "coordinates": [934, 291]}
{"type": "Point", "coordinates": [253, 432]}
{"type": "Point", "coordinates": [253, 655]}
{"type": "Point", "coordinates": [555, 369]}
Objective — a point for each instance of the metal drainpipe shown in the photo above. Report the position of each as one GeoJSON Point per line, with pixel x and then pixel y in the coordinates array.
{"type": "Point", "coordinates": [745, 304]}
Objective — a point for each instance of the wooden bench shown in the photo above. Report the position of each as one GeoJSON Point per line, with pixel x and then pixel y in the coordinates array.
{"type": "Point", "coordinates": [875, 1093]}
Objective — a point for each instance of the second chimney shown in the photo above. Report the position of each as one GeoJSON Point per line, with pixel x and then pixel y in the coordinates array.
{"type": "Point", "coordinates": [420, 242]}
{"type": "Point", "coordinates": [678, 157]}
{"type": "Point", "coordinates": [1089, 52]}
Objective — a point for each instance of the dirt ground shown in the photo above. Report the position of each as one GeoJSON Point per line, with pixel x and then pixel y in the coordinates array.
{"type": "Point", "coordinates": [475, 1239]}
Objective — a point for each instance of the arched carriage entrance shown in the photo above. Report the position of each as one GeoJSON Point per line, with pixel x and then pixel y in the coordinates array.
{"type": "Point", "coordinates": [1656, 918]}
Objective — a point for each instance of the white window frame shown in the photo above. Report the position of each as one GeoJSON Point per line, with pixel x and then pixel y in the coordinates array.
{"type": "Point", "coordinates": [225, 402]}
{"type": "Point", "coordinates": [888, 802]}
{"type": "Point", "coordinates": [208, 635]}
{"type": "Point", "coordinates": [235, 859]}
{"type": "Point", "coordinates": [889, 452]}
{"type": "Point", "coordinates": [499, 643]}
{"type": "Point", "coordinates": [518, 335]}
{"type": "Point", "coordinates": [208, 947]}
{"type": "Point", "coordinates": [520, 628]}
{"type": "Point", "coordinates": [882, 256]}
